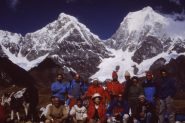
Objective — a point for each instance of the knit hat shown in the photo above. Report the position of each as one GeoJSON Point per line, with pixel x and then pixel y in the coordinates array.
{"type": "Point", "coordinates": [127, 73]}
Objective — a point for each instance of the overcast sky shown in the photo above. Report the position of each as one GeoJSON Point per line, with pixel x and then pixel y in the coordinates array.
{"type": "Point", "coordinates": [102, 17]}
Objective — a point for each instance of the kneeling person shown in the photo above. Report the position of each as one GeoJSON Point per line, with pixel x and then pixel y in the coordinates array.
{"type": "Point", "coordinates": [78, 112]}
{"type": "Point", "coordinates": [118, 111]}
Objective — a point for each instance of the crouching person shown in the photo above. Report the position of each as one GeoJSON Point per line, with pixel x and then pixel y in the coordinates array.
{"type": "Point", "coordinates": [118, 111]}
{"type": "Point", "coordinates": [144, 111]}
{"type": "Point", "coordinates": [57, 112]}
{"type": "Point", "coordinates": [78, 112]}
{"type": "Point", "coordinates": [96, 111]}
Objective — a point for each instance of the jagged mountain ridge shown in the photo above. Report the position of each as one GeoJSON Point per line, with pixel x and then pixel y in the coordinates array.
{"type": "Point", "coordinates": [147, 30]}
{"type": "Point", "coordinates": [142, 38]}
{"type": "Point", "coordinates": [68, 42]}
{"type": "Point", "coordinates": [144, 35]}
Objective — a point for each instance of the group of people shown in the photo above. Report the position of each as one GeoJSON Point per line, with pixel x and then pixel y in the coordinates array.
{"type": "Point", "coordinates": [132, 101]}
{"type": "Point", "coordinates": [16, 106]}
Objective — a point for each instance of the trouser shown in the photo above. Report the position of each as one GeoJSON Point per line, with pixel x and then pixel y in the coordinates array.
{"type": "Point", "coordinates": [49, 121]}
{"type": "Point", "coordinates": [133, 105]}
{"type": "Point", "coordinates": [166, 108]}
{"type": "Point", "coordinates": [124, 119]}
{"type": "Point", "coordinates": [147, 118]}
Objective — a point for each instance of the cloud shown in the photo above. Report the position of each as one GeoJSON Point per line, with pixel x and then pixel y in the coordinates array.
{"type": "Point", "coordinates": [70, 1]}
{"type": "Point", "coordinates": [13, 3]}
{"type": "Point", "coordinates": [177, 2]}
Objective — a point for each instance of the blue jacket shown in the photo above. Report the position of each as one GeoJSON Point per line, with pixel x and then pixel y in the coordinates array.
{"type": "Point", "coordinates": [118, 107]}
{"type": "Point", "coordinates": [75, 89]}
{"type": "Point", "coordinates": [59, 89]}
{"type": "Point", "coordinates": [149, 90]}
{"type": "Point", "coordinates": [166, 88]}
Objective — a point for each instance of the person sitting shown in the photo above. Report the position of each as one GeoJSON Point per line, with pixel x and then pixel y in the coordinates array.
{"type": "Point", "coordinates": [118, 111]}
{"type": "Point", "coordinates": [78, 112]}
{"type": "Point", "coordinates": [180, 116]}
{"type": "Point", "coordinates": [97, 111]}
{"type": "Point", "coordinates": [144, 111]}
{"type": "Point", "coordinates": [2, 114]}
{"type": "Point", "coordinates": [57, 112]}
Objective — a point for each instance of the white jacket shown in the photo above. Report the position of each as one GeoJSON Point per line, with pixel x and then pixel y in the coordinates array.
{"type": "Point", "coordinates": [79, 113]}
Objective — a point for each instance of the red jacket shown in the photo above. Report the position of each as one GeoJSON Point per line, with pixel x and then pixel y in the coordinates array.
{"type": "Point", "coordinates": [101, 112]}
{"type": "Point", "coordinates": [2, 114]}
{"type": "Point", "coordinates": [97, 89]}
{"type": "Point", "coordinates": [115, 88]}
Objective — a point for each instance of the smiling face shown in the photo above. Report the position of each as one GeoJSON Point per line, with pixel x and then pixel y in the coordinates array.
{"type": "Point", "coordinates": [79, 103]}
{"type": "Point", "coordinates": [97, 100]}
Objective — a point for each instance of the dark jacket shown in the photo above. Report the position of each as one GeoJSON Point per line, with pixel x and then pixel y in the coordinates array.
{"type": "Point", "coordinates": [118, 107]}
{"type": "Point", "coordinates": [143, 107]}
{"type": "Point", "coordinates": [166, 87]}
{"type": "Point", "coordinates": [127, 85]}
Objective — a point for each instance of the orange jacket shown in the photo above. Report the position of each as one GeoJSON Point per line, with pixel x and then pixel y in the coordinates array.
{"type": "Point", "coordinates": [115, 88]}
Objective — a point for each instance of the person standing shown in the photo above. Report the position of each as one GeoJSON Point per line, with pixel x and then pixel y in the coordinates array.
{"type": "Point", "coordinates": [134, 91]}
{"type": "Point", "coordinates": [75, 90]}
{"type": "Point", "coordinates": [149, 86]}
{"type": "Point", "coordinates": [114, 88]}
{"type": "Point", "coordinates": [127, 83]}
{"type": "Point", "coordinates": [60, 87]}
{"type": "Point", "coordinates": [166, 92]}
{"type": "Point", "coordinates": [97, 88]}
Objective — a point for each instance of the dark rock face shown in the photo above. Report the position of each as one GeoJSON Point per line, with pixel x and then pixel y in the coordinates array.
{"type": "Point", "coordinates": [13, 74]}
{"type": "Point", "coordinates": [157, 64]}
{"type": "Point", "coordinates": [176, 68]}
{"type": "Point", "coordinates": [179, 47]}
{"type": "Point", "coordinates": [149, 48]}
{"type": "Point", "coordinates": [45, 72]}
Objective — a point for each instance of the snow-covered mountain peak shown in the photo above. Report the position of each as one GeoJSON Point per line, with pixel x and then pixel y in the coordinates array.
{"type": "Point", "coordinates": [6, 37]}
{"type": "Point", "coordinates": [139, 25]}
{"type": "Point", "coordinates": [136, 21]}
{"type": "Point", "coordinates": [66, 17]}
{"type": "Point", "coordinates": [71, 41]}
